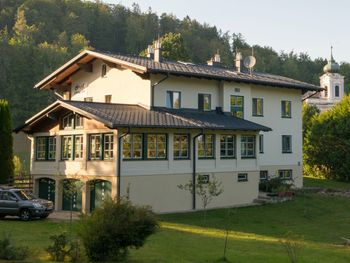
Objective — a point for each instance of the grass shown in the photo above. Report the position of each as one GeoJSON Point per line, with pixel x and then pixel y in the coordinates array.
{"type": "Point", "coordinates": [324, 183]}
{"type": "Point", "coordinates": [319, 221]}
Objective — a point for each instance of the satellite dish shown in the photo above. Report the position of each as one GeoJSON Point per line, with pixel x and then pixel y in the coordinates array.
{"type": "Point", "coordinates": [249, 62]}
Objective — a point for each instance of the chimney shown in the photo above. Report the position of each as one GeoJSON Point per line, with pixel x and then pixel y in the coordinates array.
{"type": "Point", "coordinates": [150, 52]}
{"type": "Point", "coordinates": [215, 61]}
{"type": "Point", "coordinates": [157, 51]}
{"type": "Point", "coordinates": [238, 61]}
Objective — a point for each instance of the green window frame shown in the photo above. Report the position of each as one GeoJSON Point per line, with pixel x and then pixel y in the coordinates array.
{"type": "Point", "coordinates": [101, 146]}
{"type": "Point", "coordinates": [247, 146]}
{"type": "Point", "coordinates": [286, 174]}
{"type": "Point", "coordinates": [181, 146]}
{"type": "Point", "coordinates": [78, 146]}
{"type": "Point", "coordinates": [72, 121]}
{"type": "Point", "coordinates": [156, 146]}
{"type": "Point", "coordinates": [206, 146]}
{"type": "Point", "coordinates": [67, 147]}
{"type": "Point", "coordinates": [227, 146]}
{"type": "Point", "coordinates": [204, 102]}
{"type": "Point", "coordinates": [286, 143]}
{"type": "Point", "coordinates": [173, 99]}
{"type": "Point", "coordinates": [286, 110]}
{"type": "Point", "coordinates": [237, 106]}
{"type": "Point", "coordinates": [264, 175]}
{"type": "Point", "coordinates": [45, 148]}
{"type": "Point", "coordinates": [133, 146]}
{"type": "Point", "coordinates": [242, 177]}
{"type": "Point", "coordinates": [258, 107]}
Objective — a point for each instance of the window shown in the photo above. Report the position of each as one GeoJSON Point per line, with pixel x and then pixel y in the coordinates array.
{"type": "Point", "coordinates": [132, 146]}
{"type": "Point", "coordinates": [203, 178]}
{"type": "Point", "coordinates": [227, 146]}
{"type": "Point", "coordinates": [336, 91]}
{"type": "Point", "coordinates": [72, 121]}
{"type": "Point", "coordinates": [45, 148]}
{"type": "Point", "coordinates": [104, 70]}
{"type": "Point", "coordinates": [237, 106]}
{"type": "Point", "coordinates": [88, 99]}
{"type": "Point", "coordinates": [258, 107]}
{"type": "Point", "coordinates": [108, 98]}
{"type": "Point", "coordinates": [78, 146]}
{"type": "Point", "coordinates": [156, 146]}
{"type": "Point", "coordinates": [181, 146]}
{"type": "Point", "coordinates": [248, 146]}
{"type": "Point", "coordinates": [206, 146]}
{"type": "Point", "coordinates": [242, 177]}
{"type": "Point", "coordinates": [101, 147]}
{"type": "Point", "coordinates": [67, 147]}
{"type": "Point", "coordinates": [286, 109]}
{"type": "Point", "coordinates": [264, 175]}
{"type": "Point", "coordinates": [286, 143]}
{"type": "Point", "coordinates": [261, 143]}
{"type": "Point", "coordinates": [173, 99]}
{"type": "Point", "coordinates": [204, 102]}
{"type": "Point", "coordinates": [285, 174]}
{"type": "Point", "coordinates": [108, 147]}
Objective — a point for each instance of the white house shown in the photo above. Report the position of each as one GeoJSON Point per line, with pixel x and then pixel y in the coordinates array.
{"type": "Point", "coordinates": [333, 87]}
{"type": "Point", "coordinates": [142, 126]}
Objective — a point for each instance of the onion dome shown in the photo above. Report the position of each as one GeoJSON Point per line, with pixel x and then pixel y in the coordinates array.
{"type": "Point", "coordinates": [331, 66]}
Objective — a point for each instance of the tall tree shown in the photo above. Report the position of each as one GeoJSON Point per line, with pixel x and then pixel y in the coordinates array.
{"type": "Point", "coordinates": [6, 143]}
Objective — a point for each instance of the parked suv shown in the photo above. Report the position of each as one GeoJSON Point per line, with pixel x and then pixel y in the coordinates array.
{"type": "Point", "coordinates": [16, 202]}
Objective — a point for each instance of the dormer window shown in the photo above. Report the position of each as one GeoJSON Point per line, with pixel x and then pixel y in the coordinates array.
{"type": "Point", "coordinates": [173, 99]}
{"type": "Point", "coordinates": [204, 102]}
{"type": "Point", "coordinates": [104, 70]}
{"type": "Point", "coordinates": [336, 91]}
{"type": "Point", "coordinates": [72, 121]}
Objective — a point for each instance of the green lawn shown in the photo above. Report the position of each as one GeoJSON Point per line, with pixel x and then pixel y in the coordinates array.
{"type": "Point", "coordinates": [324, 183]}
{"type": "Point", "coordinates": [254, 233]}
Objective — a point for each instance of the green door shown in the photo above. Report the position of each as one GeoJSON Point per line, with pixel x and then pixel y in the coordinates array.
{"type": "Point", "coordinates": [99, 191]}
{"type": "Point", "coordinates": [47, 189]}
{"type": "Point", "coordinates": [70, 197]}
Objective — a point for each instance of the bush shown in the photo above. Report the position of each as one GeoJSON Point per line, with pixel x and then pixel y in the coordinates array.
{"type": "Point", "coordinates": [274, 185]}
{"type": "Point", "coordinates": [62, 249]}
{"type": "Point", "coordinates": [112, 229]}
{"type": "Point", "coordinates": [10, 252]}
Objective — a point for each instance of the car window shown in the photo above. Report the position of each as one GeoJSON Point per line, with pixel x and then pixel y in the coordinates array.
{"type": "Point", "coordinates": [7, 196]}
{"type": "Point", "coordinates": [22, 195]}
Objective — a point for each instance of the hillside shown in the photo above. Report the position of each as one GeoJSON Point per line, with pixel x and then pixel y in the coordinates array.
{"type": "Point", "coordinates": [39, 35]}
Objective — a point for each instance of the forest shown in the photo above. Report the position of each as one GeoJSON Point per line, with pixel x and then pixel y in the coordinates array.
{"type": "Point", "coordinates": [37, 36]}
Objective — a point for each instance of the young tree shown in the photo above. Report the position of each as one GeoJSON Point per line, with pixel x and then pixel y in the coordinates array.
{"type": "Point", "coordinates": [6, 143]}
{"type": "Point", "coordinates": [207, 190]}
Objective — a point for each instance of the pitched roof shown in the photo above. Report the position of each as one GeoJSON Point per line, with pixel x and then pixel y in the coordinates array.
{"type": "Point", "coordinates": [135, 116]}
{"type": "Point", "coordinates": [147, 65]}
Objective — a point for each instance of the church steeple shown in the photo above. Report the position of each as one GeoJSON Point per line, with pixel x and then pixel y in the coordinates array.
{"type": "Point", "coordinates": [331, 66]}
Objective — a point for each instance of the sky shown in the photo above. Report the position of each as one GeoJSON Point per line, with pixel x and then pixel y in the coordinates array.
{"type": "Point", "coordinates": [310, 26]}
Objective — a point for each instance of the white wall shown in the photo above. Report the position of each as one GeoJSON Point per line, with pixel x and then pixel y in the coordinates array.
{"type": "Point", "coordinates": [124, 85]}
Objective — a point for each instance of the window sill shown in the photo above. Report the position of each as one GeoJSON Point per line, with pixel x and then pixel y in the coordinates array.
{"type": "Point", "coordinates": [287, 152]}
{"type": "Point", "coordinates": [286, 117]}
{"type": "Point", "coordinates": [258, 115]}
{"type": "Point", "coordinates": [227, 158]}
{"type": "Point", "coordinates": [165, 159]}
{"type": "Point", "coordinates": [248, 157]}
{"type": "Point", "coordinates": [206, 158]}
{"type": "Point", "coordinates": [242, 181]}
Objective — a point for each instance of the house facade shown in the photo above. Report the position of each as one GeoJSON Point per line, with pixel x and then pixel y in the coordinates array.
{"type": "Point", "coordinates": [139, 127]}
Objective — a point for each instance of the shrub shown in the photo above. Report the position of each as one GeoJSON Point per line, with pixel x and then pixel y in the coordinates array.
{"type": "Point", "coordinates": [62, 248]}
{"type": "Point", "coordinates": [275, 185]}
{"type": "Point", "coordinates": [112, 229]}
{"type": "Point", "coordinates": [10, 252]}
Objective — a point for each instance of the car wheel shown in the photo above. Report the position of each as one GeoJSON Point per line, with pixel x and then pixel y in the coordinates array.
{"type": "Point", "coordinates": [25, 215]}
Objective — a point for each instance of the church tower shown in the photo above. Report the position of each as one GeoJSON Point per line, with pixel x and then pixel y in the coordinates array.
{"type": "Point", "coordinates": [333, 83]}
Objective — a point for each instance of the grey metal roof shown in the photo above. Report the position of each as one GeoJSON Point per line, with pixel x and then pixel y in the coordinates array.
{"type": "Point", "coordinates": [212, 72]}
{"type": "Point", "coordinates": [124, 115]}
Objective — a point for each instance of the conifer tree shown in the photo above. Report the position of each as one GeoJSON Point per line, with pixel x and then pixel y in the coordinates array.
{"type": "Point", "coordinates": [6, 141]}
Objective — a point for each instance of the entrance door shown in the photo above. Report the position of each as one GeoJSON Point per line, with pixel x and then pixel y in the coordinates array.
{"type": "Point", "coordinates": [71, 195]}
{"type": "Point", "coordinates": [47, 189]}
{"type": "Point", "coordinates": [99, 191]}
